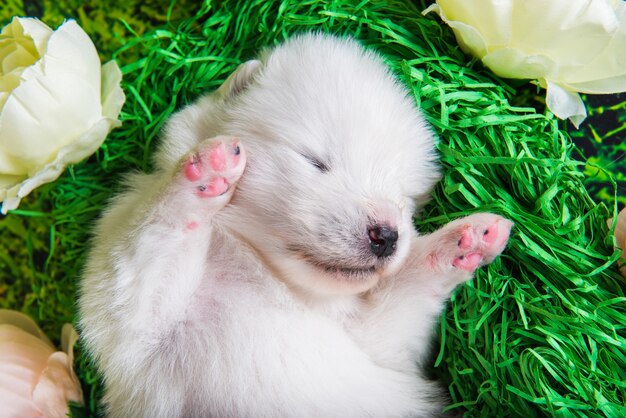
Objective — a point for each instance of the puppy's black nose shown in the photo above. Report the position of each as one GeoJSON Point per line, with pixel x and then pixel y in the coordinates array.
{"type": "Point", "coordinates": [382, 240]}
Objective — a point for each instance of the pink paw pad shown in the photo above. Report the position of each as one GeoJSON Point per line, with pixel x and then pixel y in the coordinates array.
{"type": "Point", "coordinates": [469, 262]}
{"type": "Point", "coordinates": [193, 168]}
{"type": "Point", "coordinates": [490, 234]}
{"type": "Point", "coordinates": [215, 187]}
{"type": "Point", "coordinates": [213, 165]}
{"type": "Point", "coordinates": [466, 240]}
{"type": "Point", "coordinates": [481, 242]}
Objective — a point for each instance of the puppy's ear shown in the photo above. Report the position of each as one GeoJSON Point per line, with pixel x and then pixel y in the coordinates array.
{"type": "Point", "coordinates": [240, 79]}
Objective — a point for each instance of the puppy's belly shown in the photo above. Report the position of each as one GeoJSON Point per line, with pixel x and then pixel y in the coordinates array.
{"type": "Point", "coordinates": [249, 347]}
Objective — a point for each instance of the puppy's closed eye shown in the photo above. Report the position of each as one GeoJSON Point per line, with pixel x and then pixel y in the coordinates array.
{"type": "Point", "coordinates": [317, 163]}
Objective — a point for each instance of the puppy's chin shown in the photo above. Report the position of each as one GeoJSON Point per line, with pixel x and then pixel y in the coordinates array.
{"type": "Point", "coordinates": [320, 280]}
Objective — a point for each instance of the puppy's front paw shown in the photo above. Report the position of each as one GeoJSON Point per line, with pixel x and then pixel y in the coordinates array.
{"type": "Point", "coordinates": [468, 243]}
{"type": "Point", "coordinates": [214, 166]}
{"type": "Point", "coordinates": [482, 238]}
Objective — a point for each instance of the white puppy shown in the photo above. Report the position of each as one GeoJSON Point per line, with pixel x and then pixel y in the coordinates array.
{"type": "Point", "coordinates": [269, 266]}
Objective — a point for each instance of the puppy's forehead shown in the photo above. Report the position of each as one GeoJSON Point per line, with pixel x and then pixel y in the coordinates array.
{"type": "Point", "coordinates": [335, 100]}
{"type": "Point", "coordinates": [332, 89]}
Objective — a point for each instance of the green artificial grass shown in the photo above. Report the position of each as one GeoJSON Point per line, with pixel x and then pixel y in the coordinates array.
{"type": "Point", "coordinates": [539, 332]}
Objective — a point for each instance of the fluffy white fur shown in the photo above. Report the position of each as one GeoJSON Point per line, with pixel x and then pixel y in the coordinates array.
{"type": "Point", "coordinates": [267, 301]}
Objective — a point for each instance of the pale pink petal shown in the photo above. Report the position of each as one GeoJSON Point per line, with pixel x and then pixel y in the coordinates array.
{"type": "Point", "coordinates": [22, 359]}
{"type": "Point", "coordinates": [56, 387]}
{"type": "Point", "coordinates": [35, 381]}
{"type": "Point", "coordinates": [620, 237]}
{"type": "Point", "coordinates": [23, 322]}
{"type": "Point", "coordinates": [620, 229]}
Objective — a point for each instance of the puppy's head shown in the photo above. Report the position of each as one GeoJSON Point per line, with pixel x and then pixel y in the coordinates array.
{"type": "Point", "coordinates": [338, 160]}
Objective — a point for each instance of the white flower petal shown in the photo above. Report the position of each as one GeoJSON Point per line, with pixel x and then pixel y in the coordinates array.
{"type": "Point", "coordinates": [57, 104]}
{"type": "Point", "coordinates": [570, 32]}
{"type": "Point", "coordinates": [565, 104]}
{"type": "Point", "coordinates": [112, 94]}
{"type": "Point", "coordinates": [9, 199]}
{"type": "Point", "coordinates": [15, 57]}
{"type": "Point", "coordinates": [7, 181]}
{"type": "Point", "coordinates": [34, 71]}
{"type": "Point", "coordinates": [18, 37]}
{"type": "Point", "coordinates": [17, 52]}
{"type": "Point", "coordinates": [600, 86]}
{"type": "Point", "coordinates": [579, 45]}
{"type": "Point", "coordinates": [490, 18]}
{"type": "Point", "coordinates": [607, 72]}
{"type": "Point", "coordinates": [513, 63]}
{"type": "Point", "coordinates": [10, 165]}
{"type": "Point", "coordinates": [70, 51]}
{"type": "Point", "coordinates": [43, 115]}
{"type": "Point", "coordinates": [38, 31]}
{"type": "Point", "coordinates": [74, 152]}
{"type": "Point", "coordinates": [9, 81]}
{"type": "Point", "coordinates": [469, 38]}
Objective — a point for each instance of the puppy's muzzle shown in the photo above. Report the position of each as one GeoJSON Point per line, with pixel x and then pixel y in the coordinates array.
{"type": "Point", "coordinates": [383, 240]}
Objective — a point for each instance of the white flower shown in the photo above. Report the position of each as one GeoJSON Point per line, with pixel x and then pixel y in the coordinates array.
{"type": "Point", "coordinates": [568, 46]}
{"type": "Point", "coordinates": [35, 380]}
{"type": "Point", "coordinates": [57, 104]}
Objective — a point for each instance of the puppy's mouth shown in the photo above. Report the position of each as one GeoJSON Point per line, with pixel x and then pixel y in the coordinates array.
{"type": "Point", "coordinates": [345, 271]}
